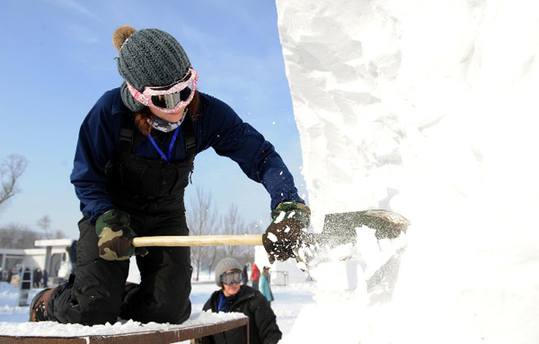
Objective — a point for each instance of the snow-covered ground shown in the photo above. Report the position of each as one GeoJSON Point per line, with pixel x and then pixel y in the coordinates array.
{"type": "Point", "coordinates": [289, 301]}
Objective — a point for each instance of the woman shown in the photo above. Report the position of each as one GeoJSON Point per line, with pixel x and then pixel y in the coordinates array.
{"type": "Point", "coordinates": [134, 156]}
{"type": "Point", "coordinates": [233, 297]}
{"type": "Point", "coordinates": [255, 276]}
{"type": "Point", "coordinates": [265, 281]}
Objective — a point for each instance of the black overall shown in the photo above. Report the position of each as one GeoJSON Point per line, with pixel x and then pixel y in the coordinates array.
{"type": "Point", "coordinates": [152, 192]}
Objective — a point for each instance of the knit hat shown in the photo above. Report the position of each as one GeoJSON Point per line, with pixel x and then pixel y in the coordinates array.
{"type": "Point", "coordinates": [148, 57]}
{"type": "Point", "coordinates": [223, 266]}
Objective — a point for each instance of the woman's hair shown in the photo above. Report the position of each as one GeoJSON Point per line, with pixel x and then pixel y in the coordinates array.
{"type": "Point", "coordinates": [144, 118]}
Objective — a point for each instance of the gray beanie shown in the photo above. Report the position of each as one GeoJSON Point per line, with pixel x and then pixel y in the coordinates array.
{"type": "Point", "coordinates": [148, 57]}
{"type": "Point", "coordinates": [223, 266]}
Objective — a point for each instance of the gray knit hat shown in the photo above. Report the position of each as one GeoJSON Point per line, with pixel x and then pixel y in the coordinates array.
{"type": "Point", "coordinates": [223, 266]}
{"type": "Point", "coordinates": [148, 57]}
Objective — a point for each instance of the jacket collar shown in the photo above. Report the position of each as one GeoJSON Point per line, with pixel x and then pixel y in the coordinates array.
{"type": "Point", "coordinates": [242, 295]}
{"type": "Point", "coordinates": [117, 103]}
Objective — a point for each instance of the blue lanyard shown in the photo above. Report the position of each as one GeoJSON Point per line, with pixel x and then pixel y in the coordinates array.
{"type": "Point", "coordinates": [166, 158]}
{"type": "Point", "coordinates": [220, 302]}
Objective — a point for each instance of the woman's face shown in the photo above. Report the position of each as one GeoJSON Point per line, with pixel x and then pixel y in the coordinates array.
{"type": "Point", "coordinates": [232, 289]}
{"type": "Point", "coordinates": [172, 117]}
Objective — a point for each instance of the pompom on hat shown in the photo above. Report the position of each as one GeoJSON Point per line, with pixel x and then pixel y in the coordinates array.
{"type": "Point", "coordinates": [223, 266]}
{"type": "Point", "coordinates": [148, 57]}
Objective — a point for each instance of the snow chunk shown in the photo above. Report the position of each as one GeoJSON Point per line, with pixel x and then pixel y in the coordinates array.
{"type": "Point", "coordinates": [272, 237]}
{"type": "Point", "coordinates": [279, 218]}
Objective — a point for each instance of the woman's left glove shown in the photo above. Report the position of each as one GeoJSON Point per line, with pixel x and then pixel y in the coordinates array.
{"type": "Point", "coordinates": [286, 232]}
{"type": "Point", "coordinates": [115, 236]}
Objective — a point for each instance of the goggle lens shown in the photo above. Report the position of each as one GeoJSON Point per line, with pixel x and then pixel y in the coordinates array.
{"type": "Point", "coordinates": [169, 101]}
{"type": "Point", "coordinates": [231, 277]}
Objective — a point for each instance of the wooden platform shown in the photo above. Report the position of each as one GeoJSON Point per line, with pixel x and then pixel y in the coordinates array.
{"type": "Point", "coordinates": [154, 337]}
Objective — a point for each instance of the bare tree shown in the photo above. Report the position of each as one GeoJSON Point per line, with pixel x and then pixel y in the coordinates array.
{"type": "Point", "coordinates": [17, 236]}
{"type": "Point", "coordinates": [247, 254]}
{"type": "Point", "coordinates": [11, 169]}
{"type": "Point", "coordinates": [45, 224]}
{"type": "Point", "coordinates": [202, 220]}
{"type": "Point", "coordinates": [233, 224]}
{"type": "Point", "coordinates": [59, 234]}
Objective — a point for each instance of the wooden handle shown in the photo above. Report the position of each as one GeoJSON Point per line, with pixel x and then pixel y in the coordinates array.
{"type": "Point", "coordinates": [199, 240]}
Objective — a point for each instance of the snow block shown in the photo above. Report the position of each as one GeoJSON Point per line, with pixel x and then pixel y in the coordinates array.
{"type": "Point", "coordinates": [337, 275]}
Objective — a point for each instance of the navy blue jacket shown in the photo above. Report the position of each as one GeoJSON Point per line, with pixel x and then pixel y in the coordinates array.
{"type": "Point", "coordinates": [218, 127]}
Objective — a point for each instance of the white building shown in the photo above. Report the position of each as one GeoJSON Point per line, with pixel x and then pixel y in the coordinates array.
{"type": "Point", "coordinates": [54, 255]}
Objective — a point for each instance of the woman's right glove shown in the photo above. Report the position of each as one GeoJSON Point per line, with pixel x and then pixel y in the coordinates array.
{"type": "Point", "coordinates": [286, 232]}
{"type": "Point", "coordinates": [115, 235]}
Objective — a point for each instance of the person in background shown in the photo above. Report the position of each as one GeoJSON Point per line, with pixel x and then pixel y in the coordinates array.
{"type": "Point", "coordinates": [245, 276]}
{"type": "Point", "coordinates": [234, 297]}
{"type": "Point", "coordinates": [255, 276]}
{"type": "Point", "coordinates": [39, 278]}
{"type": "Point", "coordinates": [265, 280]}
{"type": "Point", "coordinates": [134, 157]}
{"type": "Point", "coordinates": [35, 278]}
{"type": "Point", "coordinates": [9, 276]}
{"type": "Point", "coordinates": [45, 278]}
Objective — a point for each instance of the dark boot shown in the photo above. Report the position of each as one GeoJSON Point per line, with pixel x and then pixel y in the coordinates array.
{"type": "Point", "coordinates": [38, 307]}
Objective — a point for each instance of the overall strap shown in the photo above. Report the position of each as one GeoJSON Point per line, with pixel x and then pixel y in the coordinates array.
{"type": "Point", "coordinates": [189, 133]}
{"type": "Point", "coordinates": [130, 136]}
{"type": "Point", "coordinates": [127, 132]}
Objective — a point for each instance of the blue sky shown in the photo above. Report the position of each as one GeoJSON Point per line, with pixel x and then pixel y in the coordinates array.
{"type": "Point", "coordinates": [57, 59]}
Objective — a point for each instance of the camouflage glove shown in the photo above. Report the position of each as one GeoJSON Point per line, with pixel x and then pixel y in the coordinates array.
{"type": "Point", "coordinates": [115, 236]}
{"type": "Point", "coordinates": [287, 230]}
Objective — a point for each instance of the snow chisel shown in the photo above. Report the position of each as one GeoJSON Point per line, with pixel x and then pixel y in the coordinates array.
{"type": "Point", "coordinates": [339, 228]}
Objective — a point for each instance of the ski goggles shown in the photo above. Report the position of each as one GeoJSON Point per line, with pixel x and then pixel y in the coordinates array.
{"type": "Point", "coordinates": [169, 98]}
{"type": "Point", "coordinates": [231, 277]}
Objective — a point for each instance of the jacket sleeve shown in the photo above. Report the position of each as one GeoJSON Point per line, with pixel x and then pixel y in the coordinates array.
{"type": "Point", "coordinates": [209, 304]}
{"type": "Point", "coordinates": [97, 138]}
{"type": "Point", "coordinates": [231, 137]}
{"type": "Point", "coordinates": [265, 321]}
{"type": "Point", "coordinates": [205, 340]}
